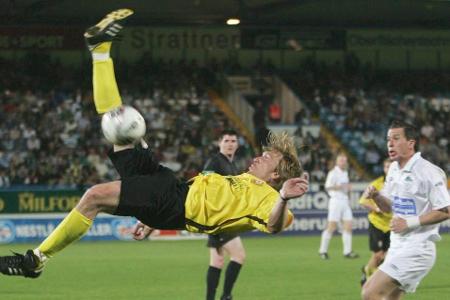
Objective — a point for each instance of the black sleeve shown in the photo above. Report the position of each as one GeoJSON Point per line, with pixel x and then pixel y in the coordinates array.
{"type": "Point", "coordinates": [131, 162]}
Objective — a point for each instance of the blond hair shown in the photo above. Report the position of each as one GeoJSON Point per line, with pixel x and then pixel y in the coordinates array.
{"type": "Point", "coordinates": [289, 165]}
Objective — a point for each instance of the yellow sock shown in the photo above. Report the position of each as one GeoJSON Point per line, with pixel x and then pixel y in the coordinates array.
{"type": "Point", "coordinates": [102, 48]}
{"type": "Point", "coordinates": [73, 227]}
{"type": "Point", "coordinates": [370, 271]}
{"type": "Point", "coordinates": [106, 92]}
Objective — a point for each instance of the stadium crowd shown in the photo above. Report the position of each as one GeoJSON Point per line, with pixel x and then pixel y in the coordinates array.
{"type": "Point", "coordinates": [50, 133]}
{"type": "Point", "coordinates": [52, 136]}
{"type": "Point", "coordinates": [358, 103]}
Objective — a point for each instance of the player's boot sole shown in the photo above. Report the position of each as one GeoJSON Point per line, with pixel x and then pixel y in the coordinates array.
{"type": "Point", "coordinates": [107, 29]}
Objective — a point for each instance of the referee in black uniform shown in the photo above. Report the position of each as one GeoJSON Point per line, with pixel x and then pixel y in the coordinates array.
{"type": "Point", "coordinates": [219, 244]}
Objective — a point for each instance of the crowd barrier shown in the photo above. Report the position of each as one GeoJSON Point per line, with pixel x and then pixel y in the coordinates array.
{"type": "Point", "coordinates": [31, 215]}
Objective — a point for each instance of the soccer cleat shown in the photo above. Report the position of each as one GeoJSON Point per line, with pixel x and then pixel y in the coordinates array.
{"type": "Point", "coordinates": [351, 255]}
{"type": "Point", "coordinates": [107, 29]}
{"type": "Point", "coordinates": [363, 276]}
{"type": "Point", "coordinates": [27, 265]}
{"type": "Point", "coordinates": [226, 297]}
{"type": "Point", "coordinates": [324, 256]}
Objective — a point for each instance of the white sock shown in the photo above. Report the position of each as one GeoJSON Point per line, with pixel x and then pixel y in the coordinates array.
{"type": "Point", "coordinates": [42, 257]}
{"type": "Point", "coordinates": [99, 56]}
{"type": "Point", "coordinates": [325, 241]}
{"type": "Point", "coordinates": [347, 241]}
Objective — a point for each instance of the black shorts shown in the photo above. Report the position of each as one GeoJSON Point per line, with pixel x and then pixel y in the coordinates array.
{"type": "Point", "coordinates": [378, 240]}
{"type": "Point", "coordinates": [218, 240]}
{"type": "Point", "coordinates": [149, 191]}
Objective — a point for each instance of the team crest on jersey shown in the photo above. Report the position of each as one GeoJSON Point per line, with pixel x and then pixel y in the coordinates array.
{"type": "Point", "coordinates": [408, 179]}
{"type": "Point", "coordinates": [236, 183]}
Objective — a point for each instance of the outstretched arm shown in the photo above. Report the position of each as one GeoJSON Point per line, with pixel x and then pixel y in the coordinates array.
{"type": "Point", "coordinates": [292, 188]}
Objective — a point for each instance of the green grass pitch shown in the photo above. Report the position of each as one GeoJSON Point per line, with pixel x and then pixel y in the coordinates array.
{"type": "Point", "coordinates": [277, 268]}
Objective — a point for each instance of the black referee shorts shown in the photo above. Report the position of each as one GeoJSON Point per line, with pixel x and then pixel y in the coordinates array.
{"type": "Point", "coordinates": [378, 240]}
{"type": "Point", "coordinates": [218, 240]}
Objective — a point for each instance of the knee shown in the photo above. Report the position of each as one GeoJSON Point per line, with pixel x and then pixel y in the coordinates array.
{"type": "Point", "coordinates": [217, 262]}
{"type": "Point", "coordinates": [239, 257]}
{"type": "Point", "coordinates": [348, 226]}
{"type": "Point", "coordinates": [368, 293]}
{"type": "Point", "coordinates": [91, 199]}
{"type": "Point", "coordinates": [365, 293]}
{"type": "Point", "coordinates": [331, 228]}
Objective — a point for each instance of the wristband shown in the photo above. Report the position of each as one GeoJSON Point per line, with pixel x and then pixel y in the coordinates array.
{"type": "Point", "coordinates": [284, 199]}
{"type": "Point", "coordinates": [413, 222]}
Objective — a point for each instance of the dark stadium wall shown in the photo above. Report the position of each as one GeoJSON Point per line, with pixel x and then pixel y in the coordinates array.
{"type": "Point", "coordinates": [403, 49]}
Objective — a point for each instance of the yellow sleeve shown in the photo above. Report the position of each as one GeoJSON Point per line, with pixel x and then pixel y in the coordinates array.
{"type": "Point", "coordinates": [364, 200]}
{"type": "Point", "coordinates": [378, 185]}
{"type": "Point", "coordinates": [289, 220]}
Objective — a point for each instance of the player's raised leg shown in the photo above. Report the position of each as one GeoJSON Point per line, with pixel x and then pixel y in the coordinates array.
{"type": "Point", "coordinates": [99, 39]}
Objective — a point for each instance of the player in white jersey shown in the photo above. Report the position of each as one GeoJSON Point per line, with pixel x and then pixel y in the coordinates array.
{"type": "Point", "coordinates": [416, 193]}
{"type": "Point", "coordinates": [338, 186]}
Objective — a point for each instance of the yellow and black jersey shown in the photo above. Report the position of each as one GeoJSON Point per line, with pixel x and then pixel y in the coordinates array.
{"type": "Point", "coordinates": [379, 220]}
{"type": "Point", "coordinates": [218, 204]}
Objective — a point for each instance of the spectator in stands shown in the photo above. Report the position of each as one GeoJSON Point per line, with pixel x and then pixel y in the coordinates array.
{"type": "Point", "coordinates": [4, 179]}
{"type": "Point", "coordinates": [275, 112]}
{"type": "Point", "coordinates": [259, 115]}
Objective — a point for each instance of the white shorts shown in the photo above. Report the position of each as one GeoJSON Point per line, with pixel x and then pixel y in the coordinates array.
{"type": "Point", "coordinates": [409, 263]}
{"type": "Point", "coordinates": [339, 210]}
